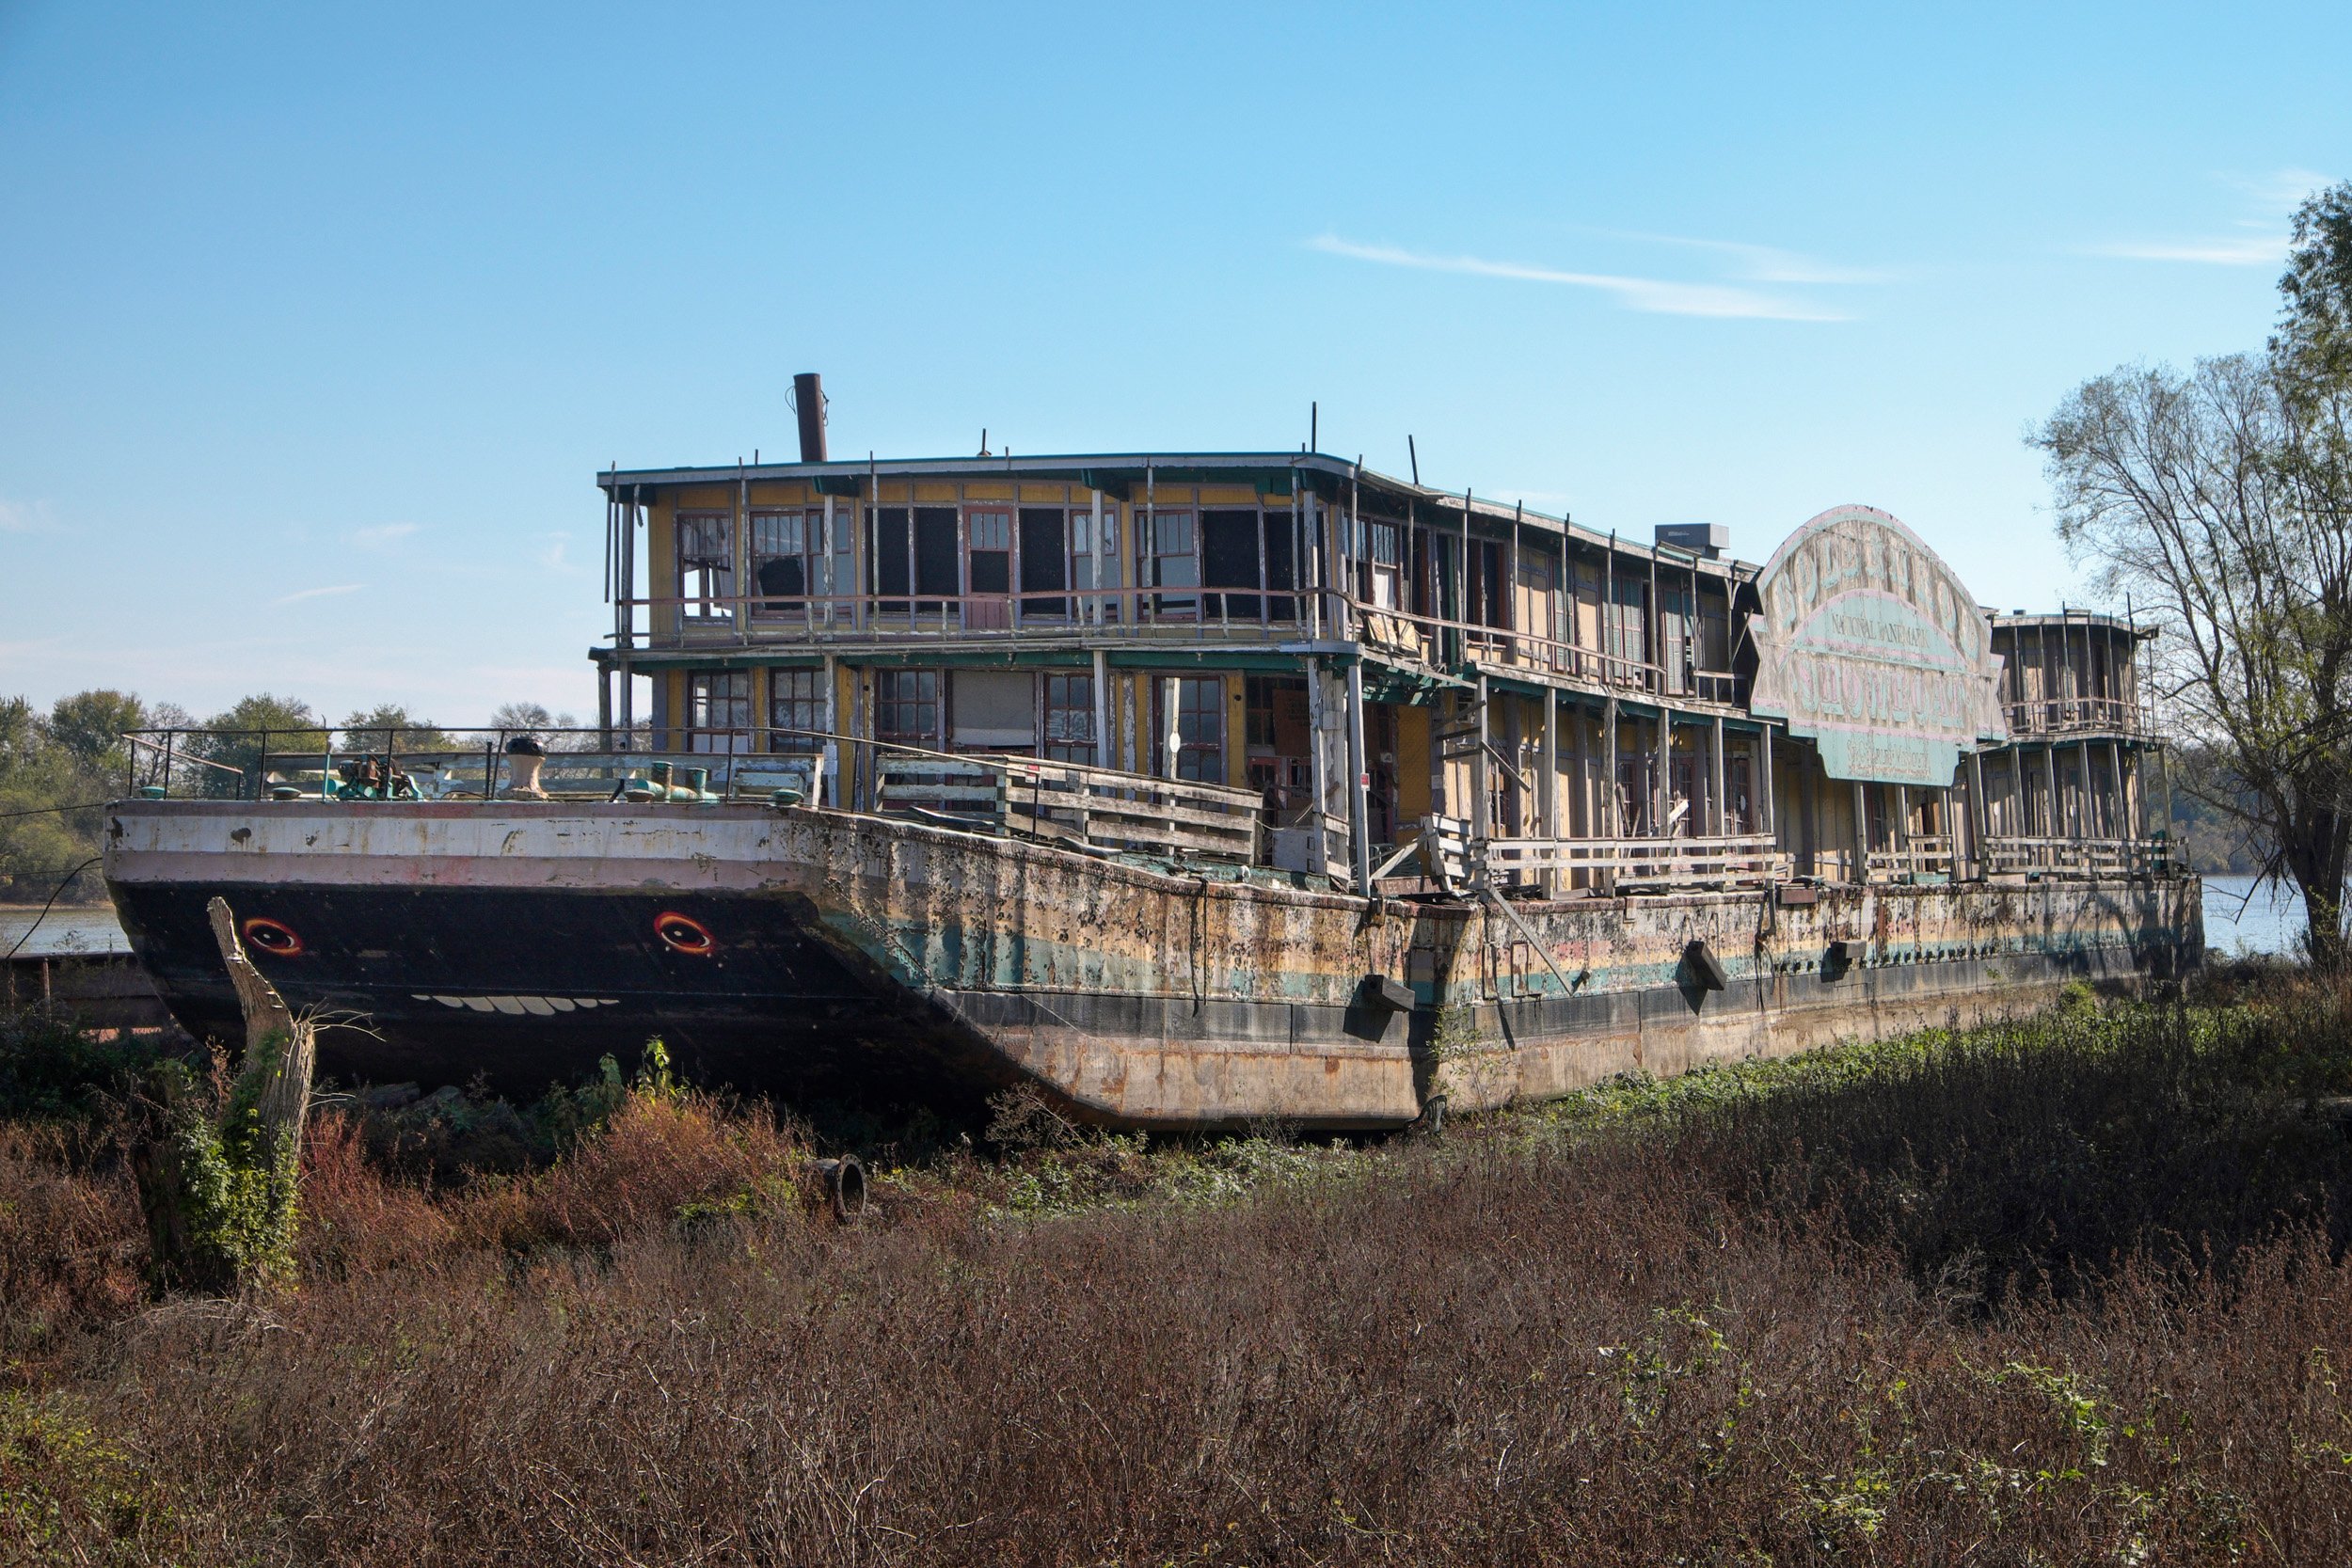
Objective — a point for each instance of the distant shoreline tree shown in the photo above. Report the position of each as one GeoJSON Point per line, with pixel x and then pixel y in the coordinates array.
{"type": "Point", "coordinates": [2220, 500]}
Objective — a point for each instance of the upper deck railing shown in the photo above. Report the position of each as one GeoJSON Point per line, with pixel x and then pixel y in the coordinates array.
{"type": "Point", "coordinates": [1172, 614]}
{"type": "Point", "coordinates": [2058, 716]}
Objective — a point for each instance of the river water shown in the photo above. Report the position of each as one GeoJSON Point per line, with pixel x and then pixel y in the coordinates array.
{"type": "Point", "coordinates": [2242, 915]}
{"type": "Point", "coordinates": [67, 930]}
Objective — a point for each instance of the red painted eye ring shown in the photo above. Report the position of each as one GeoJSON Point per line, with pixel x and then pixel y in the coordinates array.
{"type": "Point", "coordinates": [685, 934]}
{"type": "Point", "coordinates": [274, 937]}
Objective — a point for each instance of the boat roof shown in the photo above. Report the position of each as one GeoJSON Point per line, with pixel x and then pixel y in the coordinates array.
{"type": "Point", "coordinates": [1128, 473]}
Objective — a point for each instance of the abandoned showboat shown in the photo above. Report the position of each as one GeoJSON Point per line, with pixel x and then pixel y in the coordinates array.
{"type": "Point", "coordinates": [1192, 789]}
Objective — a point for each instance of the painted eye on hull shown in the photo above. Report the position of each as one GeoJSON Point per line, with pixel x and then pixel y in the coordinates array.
{"type": "Point", "coordinates": [684, 933]}
{"type": "Point", "coordinates": [272, 935]}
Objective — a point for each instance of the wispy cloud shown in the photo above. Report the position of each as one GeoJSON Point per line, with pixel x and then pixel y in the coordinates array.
{"type": "Point", "coordinates": [376, 538]}
{"type": "Point", "coordinates": [1658, 297]}
{"type": "Point", "coordinates": [1762, 263]}
{"type": "Point", "coordinates": [2283, 190]}
{"type": "Point", "coordinates": [551, 555]}
{"type": "Point", "coordinates": [25, 517]}
{"type": "Point", "coordinates": [2254, 250]}
{"type": "Point", "coordinates": [301, 594]}
{"type": "Point", "coordinates": [2251, 242]}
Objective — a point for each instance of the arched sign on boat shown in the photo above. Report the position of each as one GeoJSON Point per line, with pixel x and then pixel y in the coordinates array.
{"type": "Point", "coordinates": [1870, 647]}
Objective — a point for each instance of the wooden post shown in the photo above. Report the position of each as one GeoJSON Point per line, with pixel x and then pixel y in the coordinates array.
{"type": "Point", "coordinates": [1549, 791]}
{"type": "Point", "coordinates": [1978, 808]}
{"type": "Point", "coordinates": [1662, 782]}
{"type": "Point", "coordinates": [1609, 783]}
{"type": "Point", "coordinates": [1482, 826]}
{"type": "Point", "coordinates": [1104, 755]}
{"type": "Point", "coordinates": [1358, 809]}
{"type": "Point", "coordinates": [2119, 818]}
{"type": "Point", "coordinates": [1861, 833]}
{"type": "Point", "coordinates": [1720, 817]}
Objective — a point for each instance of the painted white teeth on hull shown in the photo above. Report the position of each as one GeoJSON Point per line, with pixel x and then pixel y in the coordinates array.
{"type": "Point", "coordinates": [518, 1007]}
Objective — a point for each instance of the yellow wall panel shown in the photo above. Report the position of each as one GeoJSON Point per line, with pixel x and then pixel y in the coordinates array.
{"type": "Point", "coordinates": [1412, 763]}
{"type": "Point", "coordinates": [935, 495]}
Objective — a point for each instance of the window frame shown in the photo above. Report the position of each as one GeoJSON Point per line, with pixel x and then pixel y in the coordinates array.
{"type": "Point", "coordinates": [706, 581]}
{"type": "Point", "coordinates": [796, 701]}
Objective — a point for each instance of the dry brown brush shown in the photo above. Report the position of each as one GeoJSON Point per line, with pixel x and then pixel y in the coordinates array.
{"type": "Point", "coordinates": [2071, 1292]}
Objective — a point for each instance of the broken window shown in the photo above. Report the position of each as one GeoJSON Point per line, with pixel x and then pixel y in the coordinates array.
{"type": "Point", "coordinates": [786, 552]}
{"type": "Point", "coordinates": [705, 564]}
{"type": "Point", "coordinates": [718, 710]}
{"type": "Point", "coordinates": [1069, 702]}
{"type": "Point", "coordinates": [1383, 569]}
{"type": "Point", "coordinates": [796, 709]}
{"type": "Point", "coordinates": [1193, 708]}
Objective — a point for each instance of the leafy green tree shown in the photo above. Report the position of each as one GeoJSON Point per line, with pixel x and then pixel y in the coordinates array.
{"type": "Point", "coordinates": [2221, 501]}
{"type": "Point", "coordinates": [90, 726]}
{"type": "Point", "coordinates": [282, 724]}
{"type": "Point", "coordinates": [38, 840]}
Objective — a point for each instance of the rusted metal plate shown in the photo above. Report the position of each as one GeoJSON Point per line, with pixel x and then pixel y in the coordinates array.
{"type": "Point", "coordinates": [799, 940]}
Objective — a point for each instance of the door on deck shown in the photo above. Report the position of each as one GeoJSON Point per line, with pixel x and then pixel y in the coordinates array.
{"type": "Point", "coordinates": [988, 568]}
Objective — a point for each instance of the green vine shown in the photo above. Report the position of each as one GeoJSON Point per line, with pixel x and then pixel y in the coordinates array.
{"type": "Point", "coordinates": [237, 1179]}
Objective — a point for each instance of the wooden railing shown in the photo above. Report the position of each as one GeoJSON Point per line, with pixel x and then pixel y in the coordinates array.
{"type": "Point", "coordinates": [1456, 862]}
{"type": "Point", "coordinates": [2074, 715]}
{"type": "Point", "coordinates": [1148, 614]}
{"type": "Point", "coordinates": [1920, 855]}
{"type": "Point", "coordinates": [2081, 857]}
{"type": "Point", "coordinates": [1727, 860]}
{"type": "Point", "coordinates": [1162, 613]}
{"type": "Point", "coordinates": [1072, 805]}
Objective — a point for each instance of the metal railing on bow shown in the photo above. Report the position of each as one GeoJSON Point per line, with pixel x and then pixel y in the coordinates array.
{"type": "Point", "coordinates": [1067, 803]}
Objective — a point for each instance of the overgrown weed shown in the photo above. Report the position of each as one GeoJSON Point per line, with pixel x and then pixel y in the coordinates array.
{"type": "Point", "coordinates": [2068, 1289]}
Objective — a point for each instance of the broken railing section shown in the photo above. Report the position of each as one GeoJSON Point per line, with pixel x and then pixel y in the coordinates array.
{"type": "Point", "coordinates": [218, 1184]}
{"type": "Point", "coordinates": [1073, 805]}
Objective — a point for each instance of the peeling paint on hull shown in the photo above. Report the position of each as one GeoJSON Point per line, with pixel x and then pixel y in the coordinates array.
{"type": "Point", "coordinates": [818, 953]}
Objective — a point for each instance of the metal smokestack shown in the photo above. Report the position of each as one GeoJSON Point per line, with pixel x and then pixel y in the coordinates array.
{"type": "Point", "coordinates": [808, 398]}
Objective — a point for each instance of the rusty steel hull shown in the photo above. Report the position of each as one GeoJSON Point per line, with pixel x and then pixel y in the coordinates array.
{"type": "Point", "coordinates": [816, 954]}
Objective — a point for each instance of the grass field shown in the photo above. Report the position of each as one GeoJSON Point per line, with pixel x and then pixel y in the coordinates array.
{"type": "Point", "coordinates": [2069, 1289]}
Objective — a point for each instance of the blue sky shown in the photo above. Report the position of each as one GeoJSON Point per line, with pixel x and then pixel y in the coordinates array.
{"type": "Point", "coordinates": [315, 322]}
